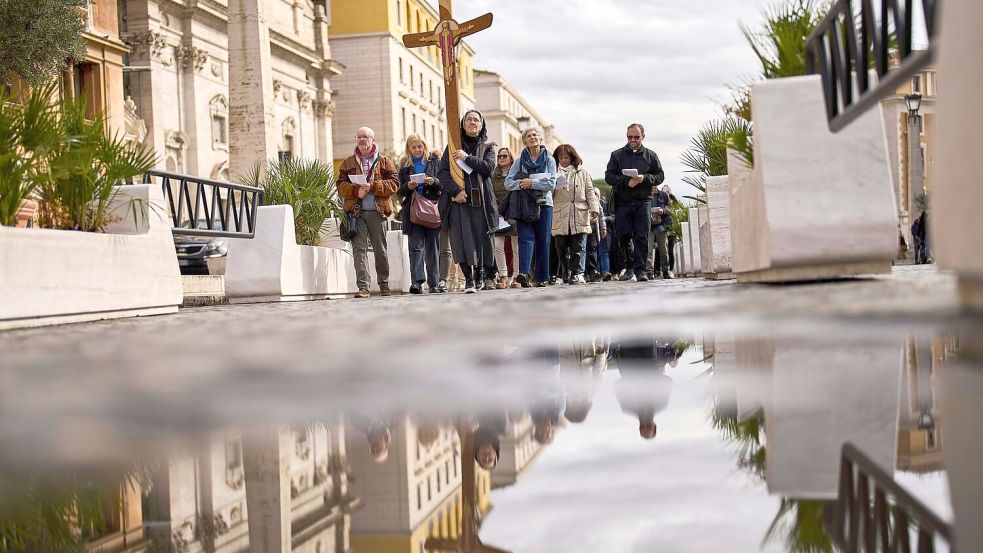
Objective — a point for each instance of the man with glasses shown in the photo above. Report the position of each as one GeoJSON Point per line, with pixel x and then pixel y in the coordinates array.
{"type": "Point", "coordinates": [633, 172]}
{"type": "Point", "coordinates": [371, 203]}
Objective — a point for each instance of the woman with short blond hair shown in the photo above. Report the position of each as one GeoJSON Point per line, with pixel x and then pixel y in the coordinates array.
{"type": "Point", "coordinates": [418, 182]}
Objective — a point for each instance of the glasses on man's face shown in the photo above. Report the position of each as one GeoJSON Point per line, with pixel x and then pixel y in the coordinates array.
{"type": "Point", "coordinates": [634, 137]}
{"type": "Point", "coordinates": [364, 137]}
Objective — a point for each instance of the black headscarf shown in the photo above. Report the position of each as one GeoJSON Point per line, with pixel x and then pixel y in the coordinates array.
{"type": "Point", "coordinates": [470, 143]}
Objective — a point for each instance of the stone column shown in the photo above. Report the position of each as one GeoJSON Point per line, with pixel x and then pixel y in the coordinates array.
{"type": "Point", "coordinates": [266, 463]}
{"type": "Point", "coordinates": [252, 126]}
{"type": "Point", "coordinates": [957, 196]}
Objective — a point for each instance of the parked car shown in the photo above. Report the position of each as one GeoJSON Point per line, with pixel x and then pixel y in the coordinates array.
{"type": "Point", "coordinates": [201, 254]}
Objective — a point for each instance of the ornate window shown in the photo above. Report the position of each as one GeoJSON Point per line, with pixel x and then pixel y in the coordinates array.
{"type": "Point", "coordinates": [219, 109]}
{"type": "Point", "coordinates": [175, 144]}
{"type": "Point", "coordinates": [288, 146]}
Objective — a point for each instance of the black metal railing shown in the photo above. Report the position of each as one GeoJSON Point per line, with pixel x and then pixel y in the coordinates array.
{"type": "Point", "coordinates": [857, 39]}
{"type": "Point", "coordinates": [874, 514]}
{"type": "Point", "coordinates": [205, 207]}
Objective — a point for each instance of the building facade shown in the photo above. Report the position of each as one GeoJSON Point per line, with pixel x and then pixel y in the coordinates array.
{"type": "Point", "coordinates": [201, 501]}
{"type": "Point", "coordinates": [508, 114]}
{"type": "Point", "coordinates": [392, 89]}
{"type": "Point", "coordinates": [414, 495]}
{"type": "Point", "coordinates": [896, 126]}
{"type": "Point", "coordinates": [519, 450]}
{"type": "Point", "coordinates": [177, 80]}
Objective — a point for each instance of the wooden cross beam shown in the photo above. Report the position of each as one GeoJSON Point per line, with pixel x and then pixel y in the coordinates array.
{"type": "Point", "coordinates": [446, 37]}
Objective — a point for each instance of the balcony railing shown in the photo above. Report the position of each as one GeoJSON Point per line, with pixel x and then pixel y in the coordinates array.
{"type": "Point", "coordinates": [852, 51]}
{"type": "Point", "coordinates": [204, 207]}
{"type": "Point", "coordinates": [873, 514]}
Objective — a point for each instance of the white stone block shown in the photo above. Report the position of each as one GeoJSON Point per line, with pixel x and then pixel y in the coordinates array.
{"type": "Point", "coordinates": [957, 197]}
{"type": "Point", "coordinates": [818, 204]}
{"type": "Point", "coordinates": [718, 211]}
{"type": "Point", "coordinates": [706, 244]}
{"type": "Point", "coordinates": [272, 267]}
{"type": "Point", "coordinates": [57, 276]}
{"type": "Point", "coordinates": [819, 401]}
{"type": "Point", "coordinates": [696, 260]}
{"type": "Point", "coordinates": [685, 239]}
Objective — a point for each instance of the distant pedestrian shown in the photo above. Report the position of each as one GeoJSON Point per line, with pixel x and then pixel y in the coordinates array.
{"type": "Point", "coordinates": [633, 197]}
{"type": "Point", "coordinates": [575, 207]}
{"type": "Point", "coordinates": [470, 212]}
{"type": "Point", "coordinates": [424, 237]}
{"type": "Point", "coordinates": [661, 228]}
{"type": "Point", "coordinates": [372, 205]}
{"type": "Point", "coordinates": [506, 242]}
{"type": "Point", "coordinates": [534, 170]}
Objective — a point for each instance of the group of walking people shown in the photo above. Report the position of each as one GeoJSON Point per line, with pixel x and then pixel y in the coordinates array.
{"type": "Point", "coordinates": [520, 219]}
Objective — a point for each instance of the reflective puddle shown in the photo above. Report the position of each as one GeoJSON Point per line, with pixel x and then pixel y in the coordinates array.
{"type": "Point", "coordinates": [705, 442]}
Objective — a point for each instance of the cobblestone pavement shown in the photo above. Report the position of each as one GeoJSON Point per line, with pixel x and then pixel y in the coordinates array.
{"type": "Point", "coordinates": [290, 360]}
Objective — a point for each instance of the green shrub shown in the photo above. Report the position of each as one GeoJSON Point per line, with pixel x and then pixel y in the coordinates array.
{"type": "Point", "coordinates": [306, 185]}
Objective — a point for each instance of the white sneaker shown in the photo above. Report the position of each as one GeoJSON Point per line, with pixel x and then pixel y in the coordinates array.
{"type": "Point", "coordinates": [579, 279]}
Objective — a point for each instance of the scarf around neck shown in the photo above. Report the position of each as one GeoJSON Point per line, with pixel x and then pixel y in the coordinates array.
{"type": "Point", "coordinates": [366, 162]}
{"type": "Point", "coordinates": [531, 167]}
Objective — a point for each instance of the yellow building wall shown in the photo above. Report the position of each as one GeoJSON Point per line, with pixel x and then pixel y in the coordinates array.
{"type": "Point", "coordinates": [361, 16]}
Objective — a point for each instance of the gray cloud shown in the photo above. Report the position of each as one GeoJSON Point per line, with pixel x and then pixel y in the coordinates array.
{"type": "Point", "coordinates": [592, 66]}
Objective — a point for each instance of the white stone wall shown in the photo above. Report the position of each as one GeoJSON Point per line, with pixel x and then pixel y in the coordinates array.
{"type": "Point", "coordinates": [188, 81]}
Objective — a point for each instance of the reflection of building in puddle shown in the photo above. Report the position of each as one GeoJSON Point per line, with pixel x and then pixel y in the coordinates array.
{"type": "Point", "coordinates": [278, 490]}
{"type": "Point", "coordinates": [919, 426]}
{"type": "Point", "coordinates": [413, 495]}
{"type": "Point", "coordinates": [519, 450]}
{"type": "Point", "coordinates": [816, 397]}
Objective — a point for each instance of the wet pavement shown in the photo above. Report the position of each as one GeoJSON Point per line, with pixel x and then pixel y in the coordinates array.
{"type": "Point", "coordinates": [684, 415]}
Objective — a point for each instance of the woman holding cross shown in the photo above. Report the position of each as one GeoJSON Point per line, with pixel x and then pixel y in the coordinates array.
{"type": "Point", "coordinates": [470, 212]}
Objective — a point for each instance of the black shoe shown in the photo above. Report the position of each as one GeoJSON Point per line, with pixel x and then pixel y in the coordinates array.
{"type": "Point", "coordinates": [469, 287]}
{"type": "Point", "coordinates": [441, 287]}
{"type": "Point", "coordinates": [552, 281]}
{"type": "Point", "coordinates": [523, 279]}
{"type": "Point", "coordinates": [642, 278]}
{"type": "Point", "coordinates": [668, 275]}
{"type": "Point", "coordinates": [540, 285]}
{"type": "Point", "coordinates": [416, 289]}
{"type": "Point", "coordinates": [650, 275]}
{"type": "Point", "coordinates": [629, 276]}
{"type": "Point", "coordinates": [594, 277]}
{"type": "Point", "coordinates": [606, 277]}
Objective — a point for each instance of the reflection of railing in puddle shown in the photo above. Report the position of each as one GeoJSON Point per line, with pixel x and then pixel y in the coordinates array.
{"type": "Point", "coordinates": [873, 513]}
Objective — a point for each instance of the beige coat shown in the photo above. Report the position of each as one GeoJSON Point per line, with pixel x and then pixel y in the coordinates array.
{"type": "Point", "coordinates": [573, 205]}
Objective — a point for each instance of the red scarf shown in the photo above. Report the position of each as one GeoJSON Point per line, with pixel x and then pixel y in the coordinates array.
{"type": "Point", "coordinates": [366, 162]}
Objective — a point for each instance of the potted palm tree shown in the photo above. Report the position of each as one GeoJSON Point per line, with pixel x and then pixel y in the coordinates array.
{"type": "Point", "coordinates": [122, 263]}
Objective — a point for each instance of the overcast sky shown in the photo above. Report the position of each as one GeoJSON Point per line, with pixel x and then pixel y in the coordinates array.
{"type": "Point", "coordinates": [592, 66]}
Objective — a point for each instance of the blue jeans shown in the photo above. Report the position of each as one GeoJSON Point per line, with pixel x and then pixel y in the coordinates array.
{"type": "Point", "coordinates": [632, 222]}
{"type": "Point", "coordinates": [424, 243]}
{"type": "Point", "coordinates": [534, 239]}
{"type": "Point", "coordinates": [603, 254]}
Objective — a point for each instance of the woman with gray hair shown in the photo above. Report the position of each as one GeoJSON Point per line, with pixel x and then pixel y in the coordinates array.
{"type": "Point", "coordinates": [534, 170]}
{"type": "Point", "coordinates": [470, 211]}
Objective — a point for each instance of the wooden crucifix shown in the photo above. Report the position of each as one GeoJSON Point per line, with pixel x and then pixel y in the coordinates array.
{"type": "Point", "coordinates": [446, 37]}
{"type": "Point", "coordinates": [467, 541]}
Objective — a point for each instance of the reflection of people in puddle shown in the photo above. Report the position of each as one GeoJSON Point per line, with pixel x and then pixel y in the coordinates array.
{"type": "Point", "coordinates": [491, 427]}
{"type": "Point", "coordinates": [377, 433]}
{"type": "Point", "coordinates": [644, 387]}
{"type": "Point", "coordinates": [581, 369]}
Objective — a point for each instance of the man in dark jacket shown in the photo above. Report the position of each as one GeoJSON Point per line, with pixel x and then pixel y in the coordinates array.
{"type": "Point", "coordinates": [633, 197]}
{"type": "Point", "coordinates": [658, 258]}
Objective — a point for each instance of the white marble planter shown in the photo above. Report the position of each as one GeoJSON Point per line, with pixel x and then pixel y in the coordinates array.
{"type": "Point", "coordinates": [817, 205]}
{"type": "Point", "coordinates": [695, 259]}
{"type": "Point", "coordinates": [956, 199]}
{"type": "Point", "coordinates": [718, 212]}
{"type": "Point", "coordinates": [57, 276]}
{"type": "Point", "coordinates": [272, 267]}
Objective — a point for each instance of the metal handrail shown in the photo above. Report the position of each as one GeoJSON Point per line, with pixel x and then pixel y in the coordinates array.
{"type": "Point", "coordinates": [848, 44]}
{"type": "Point", "coordinates": [238, 218]}
{"type": "Point", "coordinates": [857, 522]}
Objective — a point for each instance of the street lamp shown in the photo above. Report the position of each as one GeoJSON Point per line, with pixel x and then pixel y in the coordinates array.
{"type": "Point", "coordinates": [916, 165]}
